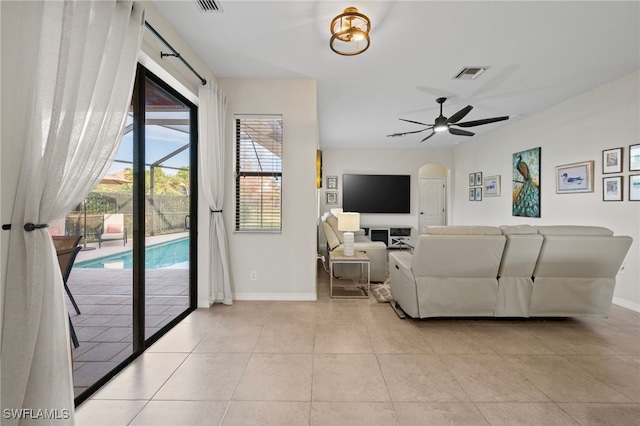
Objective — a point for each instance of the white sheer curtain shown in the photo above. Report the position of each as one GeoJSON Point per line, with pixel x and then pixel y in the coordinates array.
{"type": "Point", "coordinates": [82, 87]}
{"type": "Point", "coordinates": [211, 119]}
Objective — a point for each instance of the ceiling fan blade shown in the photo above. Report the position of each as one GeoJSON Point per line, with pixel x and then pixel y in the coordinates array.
{"type": "Point", "coordinates": [460, 132]}
{"type": "Point", "coordinates": [432, 133]}
{"type": "Point", "coordinates": [459, 115]}
{"type": "Point", "coordinates": [395, 135]}
{"type": "Point", "coordinates": [483, 121]}
{"type": "Point", "coordinates": [415, 122]}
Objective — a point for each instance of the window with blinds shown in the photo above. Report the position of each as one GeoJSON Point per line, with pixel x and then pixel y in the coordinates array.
{"type": "Point", "coordinates": [259, 173]}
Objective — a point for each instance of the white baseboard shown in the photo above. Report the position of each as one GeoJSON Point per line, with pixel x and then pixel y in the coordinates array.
{"type": "Point", "coordinates": [302, 297]}
{"type": "Point", "coordinates": [626, 304]}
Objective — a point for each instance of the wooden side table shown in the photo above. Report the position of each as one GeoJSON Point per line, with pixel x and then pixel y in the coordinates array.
{"type": "Point", "coordinates": [359, 257]}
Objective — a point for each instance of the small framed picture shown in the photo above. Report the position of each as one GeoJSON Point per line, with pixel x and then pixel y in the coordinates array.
{"type": "Point", "coordinates": [478, 178]}
{"type": "Point", "coordinates": [612, 160]}
{"type": "Point", "coordinates": [634, 158]}
{"type": "Point", "coordinates": [575, 177]}
{"type": "Point", "coordinates": [612, 188]}
{"type": "Point", "coordinates": [491, 186]}
{"type": "Point", "coordinates": [478, 194]}
{"type": "Point", "coordinates": [332, 198]}
{"type": "Point", "coordinates": [634, 188]}
{"type": "Point", "coordinates": [332, 182]}
{"type": "Point", "coordinates": [472, 179]}
{"type": "Point", "coordinates": [472, 193]}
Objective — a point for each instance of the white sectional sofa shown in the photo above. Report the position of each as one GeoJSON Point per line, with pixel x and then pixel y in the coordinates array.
{"type": "Point", "coordinates": [509, 271]}
{"type": "Point", "coordinates": [376, 250]}
{"type": "Point", "coordinates": [575, 274]}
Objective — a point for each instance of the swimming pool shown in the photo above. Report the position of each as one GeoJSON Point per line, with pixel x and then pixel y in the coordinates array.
{"type": "Point", "coordinates": [170, 255]}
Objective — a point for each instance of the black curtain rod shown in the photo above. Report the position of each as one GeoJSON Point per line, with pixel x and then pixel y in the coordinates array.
{"type": "Point", "coordinates": [175, 53]}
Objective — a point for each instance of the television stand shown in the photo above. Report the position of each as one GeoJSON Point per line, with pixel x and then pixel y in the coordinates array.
{"type": "Point", "coordinates": [393, 236]}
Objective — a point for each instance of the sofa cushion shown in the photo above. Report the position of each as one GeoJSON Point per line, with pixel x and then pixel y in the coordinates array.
{"type": "Point", "coordinates": [332, 240]}
{"type": "Point", "coordinates": [332, 221]}
{"type": "Point", "coordinates": [462, 230]}
{"type": "Point", "coordinates": [518, 229]}
{"type": "Point", "coordinates": [574, 230]}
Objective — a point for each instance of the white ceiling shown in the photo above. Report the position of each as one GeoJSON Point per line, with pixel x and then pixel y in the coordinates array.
{"type": "Point", "coordinates": [540, 53]}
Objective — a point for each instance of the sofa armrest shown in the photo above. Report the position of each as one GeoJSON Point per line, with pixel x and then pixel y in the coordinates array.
{"type": "Point", "coordinates": [402, 283]}
{"type": "Point", "coordinates": [402, 259]}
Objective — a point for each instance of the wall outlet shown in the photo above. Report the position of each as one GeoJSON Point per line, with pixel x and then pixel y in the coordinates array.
{"type": "Point", "coordinates": [254, 276]}
{"type": "Point", "coordinates": [623, 269]}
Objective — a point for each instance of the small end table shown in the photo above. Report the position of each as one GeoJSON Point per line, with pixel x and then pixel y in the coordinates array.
{"type": "Point", "coordinates": [337, 256]}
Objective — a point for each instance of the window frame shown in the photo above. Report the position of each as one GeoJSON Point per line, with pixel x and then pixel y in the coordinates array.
{"type": "Point", "coordinates": [239, 174]}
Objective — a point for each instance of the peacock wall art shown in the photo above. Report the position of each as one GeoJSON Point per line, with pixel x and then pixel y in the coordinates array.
{"type": "Point", "coordinates": [526, 183]}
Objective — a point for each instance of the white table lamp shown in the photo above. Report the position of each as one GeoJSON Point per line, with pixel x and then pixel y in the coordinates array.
{"type": "Point", "coordinates": [348, 222]}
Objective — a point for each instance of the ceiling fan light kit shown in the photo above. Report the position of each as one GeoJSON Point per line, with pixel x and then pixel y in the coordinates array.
{"type": "Point", "coordinates": [350, 33]}
{"type": "Point", "coordinates": [442, 123]}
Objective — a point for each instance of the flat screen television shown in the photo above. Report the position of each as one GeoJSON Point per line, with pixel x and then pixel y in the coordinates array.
{"type": "Point", "coordinates": [376, 193]}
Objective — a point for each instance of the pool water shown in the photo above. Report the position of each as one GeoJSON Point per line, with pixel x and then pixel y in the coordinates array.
{"type": "Point", "coordinates": [170, 255]}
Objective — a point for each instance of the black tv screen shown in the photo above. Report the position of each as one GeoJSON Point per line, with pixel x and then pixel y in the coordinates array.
{"type": "Point", "coordinates": [376, 193]}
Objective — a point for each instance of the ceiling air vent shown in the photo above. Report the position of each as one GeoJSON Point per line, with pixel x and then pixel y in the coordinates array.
{"type": "Point", "coordinates": [208, 5]}
{"type": "Point", "coordinates": [470, 73]}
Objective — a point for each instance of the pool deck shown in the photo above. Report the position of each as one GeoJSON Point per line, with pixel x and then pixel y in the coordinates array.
{"type": "Point", "coordinates": [104, 296]}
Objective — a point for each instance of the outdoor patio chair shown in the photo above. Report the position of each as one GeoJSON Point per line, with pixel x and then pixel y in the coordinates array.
{"type": "Point", "coordinates": [66, 257]}
{"type": "Point", "coordinates": [65, 243]}
{"type": "Point", "coordinates": [113, 229]}
{"type": "Point", "coordinates": [57, 227]}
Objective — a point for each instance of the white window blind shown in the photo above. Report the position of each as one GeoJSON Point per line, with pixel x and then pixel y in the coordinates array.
{"type": "Point", "coordinates": [259, 173]}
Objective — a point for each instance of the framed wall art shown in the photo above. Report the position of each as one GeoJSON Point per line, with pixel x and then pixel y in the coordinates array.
{"type": "Point", "coordinates": [491, 186]}
{"type": "Point", "coordinates": [318, 169]}
{"type": "Point", "coordinates": [478, 179]}
{"type": "Point", "coordinates": [575, 177]}
{"type": "Point", "coordinates": [612, 160]}
{"type": "Point", "coordinates": [472, 193]}
{"type": "Point", "coordinates": [472, 179]}
{"type": "Point", "coordinates": [634, 188]}
{"type": "Point", "coordinates": [612, 188]}
{"type": "Point", "coordinates": [332, 182]}
{"type": "Point", "coordinates": [634, 158]}
{"type": "Point", "coordinates": [525, 191]}
{"type": "Point", "coordinates": [332, 198]}
{"type": "Point", "coordinates": [478, 194]}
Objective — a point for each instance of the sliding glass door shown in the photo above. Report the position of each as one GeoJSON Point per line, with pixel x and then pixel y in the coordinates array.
{"type": "Point", "coordinates": [167, 216]}
{"type": "Point", "coordinates": [135, 277]}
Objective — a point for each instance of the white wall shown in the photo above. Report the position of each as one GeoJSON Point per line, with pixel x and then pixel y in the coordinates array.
{"type": "Point", "coordinates": [337, 161]}
{"type": "Point", "coordinates": [573, 131]}
{"type": "Point", "coordinates": [285, 264]}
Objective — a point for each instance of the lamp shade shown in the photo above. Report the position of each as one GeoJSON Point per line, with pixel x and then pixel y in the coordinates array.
{"type": "Point", "coordinates": [348, 221]}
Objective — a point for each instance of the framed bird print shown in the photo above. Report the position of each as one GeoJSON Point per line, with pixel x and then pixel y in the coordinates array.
{"type": "Point", "coordinates": [525, 193]}
{"type": "Point", "coordinates": [478, 179]}
{"type": "Point", "coordinates": [634, 188]}
{"type": "Point", "coordinates": [491, 186]}
{"type": "Point", "coordinates": [634, 158]}
{"type": "Point", "coordinates": [612, 188]}
{"type": "Point", "coordinates": [575, 177]}
{"type": "Point", "coordinates": [612, 160]}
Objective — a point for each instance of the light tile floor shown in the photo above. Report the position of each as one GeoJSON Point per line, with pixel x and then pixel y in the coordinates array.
{"type": "Point", "coordinates": [354, 362]}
